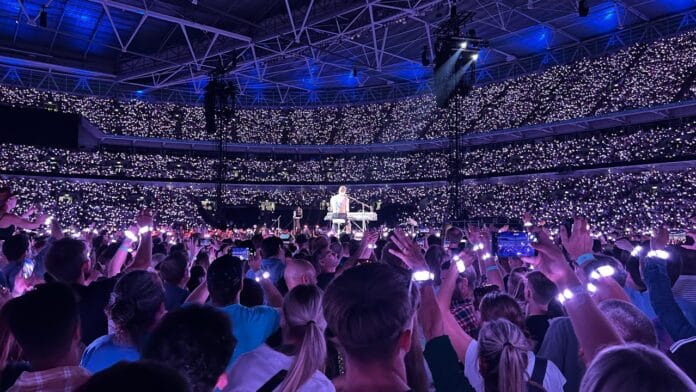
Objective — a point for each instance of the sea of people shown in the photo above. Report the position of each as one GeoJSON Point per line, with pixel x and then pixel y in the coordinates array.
{"type": "Point", "coordinates": [152, 307]}
{"type": "Point", "coordinates": [645, 143]}
{"type": "Point", "coordinates": [642, 75]}
{"type": "Point", "coordinates": [613, 201]}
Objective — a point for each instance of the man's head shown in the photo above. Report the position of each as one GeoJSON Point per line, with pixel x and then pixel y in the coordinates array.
{"type": "Point", "coordinates": [342, 190]}
{"type": "Point", "coordinates": [370, 308]}
{"type": "Point", "coordinates": [272, 247]}
{"type": "Point", "coordinates": [454, 236]}
{"type": "Point", "coordinates": [539, 289]}
{"type": "Point", "coordinates": [136, 376]}
{"type": "Point", "coordinates": [466, 283]}
{"type": "Point", "coordinates": [631, 324]}
{"type": "Point", "coordinates": [16, 247]}
{"type": "Point", "coordinates": [326, 259]}
{"type": "Point", "coordinates": [173, 269]}
{"type": "Point", "coordinates": [299, 272]}
{"type": "Point", "coordinates": [67, 260]}
{"type": "Point", "coordinates": [196, 341]}
{"type": "Point", "coordinates": [225, 280]}
{"type": "Point", "coordinates": [45, 322]}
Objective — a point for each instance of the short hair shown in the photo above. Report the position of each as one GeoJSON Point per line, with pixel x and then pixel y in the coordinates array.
{"type": "Point", "coordinates": [252, 293]}
{"type": "Point", "coordinates": [454, 235]}
{"type": "Point", "coordinates": [367, 307]}
{"type": "Point", "coordinates": [634, 367]}
{"type": "Point", "coordinates": [44, 321]}
{"type": "Point", "coordinates": [173, 268]}
{"type": "Point", "coordinates": [543, 290]}
{"type": "Point", "coordinates": [135, 302]}
{"type": "Point", "coordinates": [196, 341]}
{"type": "Point", "coordinates": [224, 279]}
{"type": "Point", "coordinates": [301, 239]}
{"type": "Point", "coordinates": [15, 247]}
{"type": "Point", "coordinates": [432, 239]}
{"type": "Point", "coordinates": [632, 324]}
{"type": "Point", "coordinates": [342, 189]}
{"type": "Point", "coordinates": [497, 305]}
{"type": "Point", "coordinates": [136, 376]}
{"type": "Point", "coordinates": [270, 246]}
{"type": "Point", "coordinates": [65, 258]}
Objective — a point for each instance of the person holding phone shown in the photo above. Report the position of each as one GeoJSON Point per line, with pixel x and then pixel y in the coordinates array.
{"type": "Point", "coordinates": [9, 222]}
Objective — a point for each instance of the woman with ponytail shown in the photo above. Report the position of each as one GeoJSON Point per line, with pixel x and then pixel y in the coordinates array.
{"type": "Point", "coordinates": [298, 364]}
{"type": "Point", "coordinates": [506, 364]}
{"type": "Point", "coordinates": [136, 305]}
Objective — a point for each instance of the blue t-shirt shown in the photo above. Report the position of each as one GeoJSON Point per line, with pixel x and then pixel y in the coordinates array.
{"type": "Point", "coordinates": [251, 326]}
{"type": "Point", "coordinates": [103, 353]}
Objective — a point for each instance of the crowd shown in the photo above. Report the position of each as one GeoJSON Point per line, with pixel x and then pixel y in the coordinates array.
{"type": "Point", "coordinates": [143, 309]}
{"type": "Point", "coordinates": [642, 75]}
{"type": "Point", "coordinates": [646, 143]}
{"type": "Point", "coordinates": [635, 201]}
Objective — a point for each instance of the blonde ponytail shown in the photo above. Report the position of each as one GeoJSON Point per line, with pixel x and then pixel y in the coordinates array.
{"type": "Point", "coordinates": [305, 323]}
{"type": "Point", "coordinates": [503, 348]}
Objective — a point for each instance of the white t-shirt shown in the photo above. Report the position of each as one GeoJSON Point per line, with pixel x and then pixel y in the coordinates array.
{"type": "Point", "coordinates": [553, 379]}
{"type": "Point", "coordinates": [256, 367]}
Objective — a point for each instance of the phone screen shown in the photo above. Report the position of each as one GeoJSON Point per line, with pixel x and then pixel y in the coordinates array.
{"type": "Point", "coordinates": [242, 253]}
{"type": "Point", "coordinates": [512, 243]}
{"type": "Point", "coordinates": [27, 268]}
{"type": "Point", "coordinates": [204, 242]}
{"type": "Point", "coordinates": [677, 237]}
{"type": "Point", "coordinates": [285, 236]}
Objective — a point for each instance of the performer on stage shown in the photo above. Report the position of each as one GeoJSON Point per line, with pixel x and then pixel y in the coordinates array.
{"type": "Point", "coordinates": [340, 206]}
{"type": "Point", "coordinates": [296, 220]}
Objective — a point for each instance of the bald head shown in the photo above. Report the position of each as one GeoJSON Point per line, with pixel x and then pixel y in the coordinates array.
{"type": "Point", "coordinates": [299, 272]}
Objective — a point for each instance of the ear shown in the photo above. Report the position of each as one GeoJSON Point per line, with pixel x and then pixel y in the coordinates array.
{"type": "Point", "coordinates": [527, 294]}
{"type": "Point", "coordinates": [405, 341]}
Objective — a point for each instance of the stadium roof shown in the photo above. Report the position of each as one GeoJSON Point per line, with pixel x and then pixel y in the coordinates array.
{"type": "Point", "coordinates": [296, 51]}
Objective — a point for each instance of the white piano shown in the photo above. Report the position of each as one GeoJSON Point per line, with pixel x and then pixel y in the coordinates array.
{"type": "Point", "coordinates": [360, 216]}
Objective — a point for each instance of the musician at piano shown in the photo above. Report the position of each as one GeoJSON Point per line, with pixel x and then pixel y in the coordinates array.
{"type": "Point", "coordinates": [340, 206]}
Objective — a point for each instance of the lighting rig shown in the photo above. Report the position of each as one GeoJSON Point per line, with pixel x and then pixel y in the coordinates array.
{"type": "Point", "coordinates": [454, 75]}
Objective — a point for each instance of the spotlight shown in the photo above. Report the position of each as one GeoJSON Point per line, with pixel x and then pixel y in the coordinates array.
{"type": "Point", "coordinates": [463, 45]}
{"type": "Point", "coordinates": [43, 17]}
{"type": "Point", "coordinates": [194, 2]}
{"type": "Point", "coordinates": [475, 56]}
{"type": "Point", "coordinates": [583, 8]}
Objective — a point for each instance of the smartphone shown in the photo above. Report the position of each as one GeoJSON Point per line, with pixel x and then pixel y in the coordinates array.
{"type": "Point", "coordinates": [513, 244]}
{"type": "Point", "coordinates": [27, 268]}
{"type": "Point", "coordinates": [204, 242]}
{"type": "Point", "coordinates": [677, 236]}
{"type": "Point", "coordinates": [242, 253]}
{"type": "Point", "coordinates": [284, 236]}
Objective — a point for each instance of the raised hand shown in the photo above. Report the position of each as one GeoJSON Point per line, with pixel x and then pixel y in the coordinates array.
{"type": "Point", "coordinates": [145, 218]}
{"type": "Point", "coordinates": [408, 251]}
{"type": "Point", "coordinates": [659, 239]}
{"type": "Point", "coordinates": [578, 241]}
{"type": "Point", "coordinates": [367, 244]}
{"type": "Point", "coordinates": [550, 260]}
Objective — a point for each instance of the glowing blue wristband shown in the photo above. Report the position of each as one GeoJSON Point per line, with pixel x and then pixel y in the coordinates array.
{"type": "Point", "coordinates": [491, 268]}
{"type": "Point", "coordinates": [584, 258]}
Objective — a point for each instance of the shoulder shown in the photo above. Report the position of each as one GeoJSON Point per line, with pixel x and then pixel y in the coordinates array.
{"type": "Point", "coordinates": [554, 379]}
{"type": "Point", "coordinates": [99, 342]}
{"type": "Point", "coordinates": [318, 382]}
{"type": "Point", "coordinates": [241, 311]}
